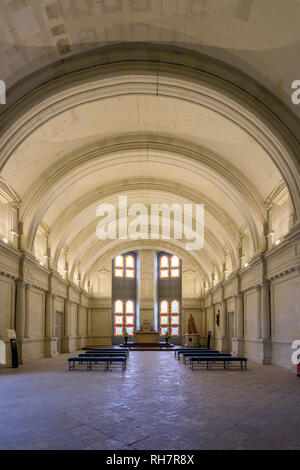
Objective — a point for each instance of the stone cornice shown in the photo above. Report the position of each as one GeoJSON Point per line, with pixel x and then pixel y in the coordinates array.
{"type": "Point", "coordinates": [10, 249]}
{"type": "Point", "coordinates": [279, 193]}
{"type": "Point", "coordinates": [294, 234]}
{"type": "Point", "coordinates": [7, 193]}
{"type": "Point", "coordinates": [258, 272]}
{"type": "Point", "coordinates": [25, 262]}
{"type": "Point", "coordinates": [9, 264]}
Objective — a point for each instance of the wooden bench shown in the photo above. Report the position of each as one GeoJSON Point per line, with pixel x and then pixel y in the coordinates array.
{"type": "Point", "coordinates": [185, 356]}
{"type": "Point", "coordinates": [106, 349]}
{"type": "Point", "coordinates": [200, 351]}
{"type": "Point", "coordinates": [89, 362]}
{"type": "Point", "coordinates": [208, 361]}
{"type": "Point", "coordinates": [105, 354]}
{"type": "Point", "coordinates": [96, 350]}
{"type": "Point", "coordinates": [180, 350]}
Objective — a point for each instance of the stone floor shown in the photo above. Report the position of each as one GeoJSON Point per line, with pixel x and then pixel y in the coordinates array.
{"type": "Point", "coordinates": [158, 403]}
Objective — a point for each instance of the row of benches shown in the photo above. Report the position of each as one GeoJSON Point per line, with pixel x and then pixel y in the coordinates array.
{"type": "Point", "coordinates": [105, 358]}
{"type": "Point", "coordinates": [201, 357]}
{"type": "Point", "coordinates": [208, 358]}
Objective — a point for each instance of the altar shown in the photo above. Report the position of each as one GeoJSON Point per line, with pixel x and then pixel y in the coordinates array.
{"type": "Point", "coordinates": [146, 334]}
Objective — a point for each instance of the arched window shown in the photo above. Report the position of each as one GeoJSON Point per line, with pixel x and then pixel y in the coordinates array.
{"type": "Point", "coordinates": [169, 266]}
{"type": "Point", "coordinates": [118, 266]}
{"type": "Point", "coordinates": [164, 306]}
{"type": "Point", "coordinates": [169, 317]}
{"type": "Point", "coordinates": [123, 296]}
{"type": "Point", "coordinates": [119, 262]}
{"type": "Point", "coordinates": [124, 321]}
{"type": "Point", "coordinates": [175, 262]}
{"type": "Point", "coordinates": [169, 295]}
{"type": "Point", "coordinates": [129, 261]}
{"type": "Point", "coordinates": [124, 266]}
{"type": "Point", "coordinates": [118, 306]}
{"type": "Point", "coordinates": [129, 306]}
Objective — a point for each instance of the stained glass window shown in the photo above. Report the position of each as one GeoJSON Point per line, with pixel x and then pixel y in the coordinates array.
{"type": "Point", "coordinates": [174, 306]}
{"type": "Point", "coordinates": [129, 320]}
{"type": "Point", "coordinates": [124, 266]}
{"type": "Point", "coordinates": [118, 306]}
{"type": "Point", "coordinates": [164, 306]}
{"type": "Point", "coordinates": [164, 319]}
{"type": "Point", "coordinates": [169, 266]}
{"type": "Point", "coordinates": [175, 331]}
{"type": "Point", "coordinates": [164, 273]}
{"type": "Point", "coordinates": [119, 272]}
{"type": "Point", "coordinates": [118, 330]}
{"type": "Point", "coordinates": [118, 320]}
{"type": "Point", "coordinates": [164, 262]}
{"type": "Point", "coordinates": [163, 330]}
{"type": "Point", "coordinates": [169, 269]}
{"type": "Point", "coordinates": [175, 262]}
{"type": "Point", "coordinates": [175, 273]}
{"type": "Point", "coordinates": [129, 273]}
{"type": "Point", "coordinates": [124, 321]}
{"type": "Point", "coordinates": [130, 330]}
{"type": "Point", "coordinates": [167, 319]}
{"type": "Point", "coordinates": [124, 295]}
{"type": "Point", "coordinates": [174, 319]}
{"type": "Point", "coordinates": [119, 262]}
{"type": "Point", "coordinates": [129, 306]}
{"type": "Point", "coordinates": [129, 261]}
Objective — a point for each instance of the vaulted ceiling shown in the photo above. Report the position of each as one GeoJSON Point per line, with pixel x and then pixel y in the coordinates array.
{"type": "Point", "coordinates": [252, 35]}
{"type": "Point", "coordinates": [155, 124]}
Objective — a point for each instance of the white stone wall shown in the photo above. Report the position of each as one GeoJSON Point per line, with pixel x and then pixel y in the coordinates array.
{"type": "Point", "coordinates": [25, 286]}
{"type": "Point", "coordinates": [7, 296]}
{"type": "Point", "coordinates": [101, 322]}
{"type": "Point", "coordinates": [88, 320]}
{"type": "Point", "coordinates": [285, 321]}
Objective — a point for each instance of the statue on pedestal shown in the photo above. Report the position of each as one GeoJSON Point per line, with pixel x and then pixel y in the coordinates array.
{"type": "Point", "coordinates": [192, 336]}
{"type": "Point", "coordinates": [192, 326]}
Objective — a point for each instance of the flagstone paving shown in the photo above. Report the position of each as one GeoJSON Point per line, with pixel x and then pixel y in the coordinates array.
{"type": "Point", "coordinates": [157, 403]}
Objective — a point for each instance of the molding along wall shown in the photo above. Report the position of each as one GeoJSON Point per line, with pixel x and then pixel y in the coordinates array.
{"type": "Point", "coordinates": [262, 301]}
{"type": "Point", "coordinates": [30, 297]}
{"type": "Point", "coordinates": [207, 133]}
